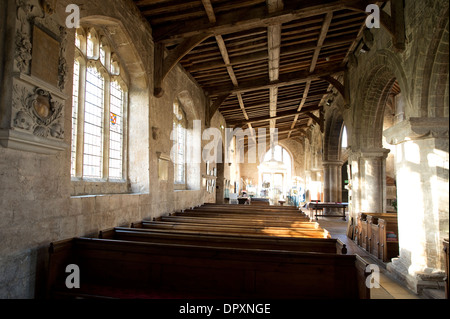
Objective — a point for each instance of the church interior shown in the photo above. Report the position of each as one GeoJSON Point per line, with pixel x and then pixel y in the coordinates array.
{"type": "Point", "coordinates": [224, 149]}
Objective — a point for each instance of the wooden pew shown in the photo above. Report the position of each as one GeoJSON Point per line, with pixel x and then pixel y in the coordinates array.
{"type": "Point", "coordinates": [249, 207]}
{"type": "Point", "coordinates": [270, 209]}
{"type": "Point", "coordinates": [373, 234]}
{"type": "Point", "coordinates": [124, 269]}
{"type": "Point", "coordinates": [362, 230]}
{"type": "Point", "coordinates": [445, 243]}
{"type": "Point", "coordinates": [362, 238]}
{"type": "Point", "coordinates": [389, 246]}
{"type": "Point", "coordinates": [236, 220]}
{"type": "Point", "coordinates": [244, 214]}
{"type": "Point", "coordinates": [243, 230]}
{"type": "Point", "coordinates": [322, 245]}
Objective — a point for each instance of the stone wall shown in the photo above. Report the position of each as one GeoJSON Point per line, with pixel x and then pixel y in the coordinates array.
{"type": "Point", "coordinates": [39, 202]}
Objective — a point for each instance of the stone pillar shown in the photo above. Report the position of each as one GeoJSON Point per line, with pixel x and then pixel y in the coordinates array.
{"type": "Point", "coordinates": [332, 183]}
{"type": "Point", "coordinates": [373, 169]}
{"type": "Point", "coordinates": [220, 183]}
{"type": "Point", "coordinates": [368, 180]}
{"type": "Point", "coordinates": [332, 179]}
{"type": "Point", "coordinates": [421, 155]}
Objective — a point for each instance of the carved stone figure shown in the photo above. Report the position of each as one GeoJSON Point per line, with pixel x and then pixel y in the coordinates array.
{"type": "Point", "coordinates": [56, 131]}
{"type": "Point", "coordinates": [23, 121]}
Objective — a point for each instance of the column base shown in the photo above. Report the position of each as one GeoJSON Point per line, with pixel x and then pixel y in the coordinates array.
{"type": "Point", "coordinates": [429, 278]}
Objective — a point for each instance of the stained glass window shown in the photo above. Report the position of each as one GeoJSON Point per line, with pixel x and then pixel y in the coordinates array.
{"type": "Point", "coordinates": [99, 146]}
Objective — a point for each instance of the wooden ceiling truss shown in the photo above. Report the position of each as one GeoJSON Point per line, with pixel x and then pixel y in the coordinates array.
{"type": "Point", "coordinates": [264, 63]}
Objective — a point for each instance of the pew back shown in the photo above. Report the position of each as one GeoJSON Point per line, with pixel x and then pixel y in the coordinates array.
{"type": "Point", "coordinates": [378, 234]}
{"type": "Point", "coordinates": [323, 245]}
{"type": "Point", "coordinates": [156, 269]}
{"type": "Point", "coordinates": [239, 221]}
{"type": "Point", "coordinates": [242, 230]}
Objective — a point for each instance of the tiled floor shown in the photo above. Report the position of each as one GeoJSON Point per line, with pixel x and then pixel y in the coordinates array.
{"type": "Point", "coordinates": [389, 287]}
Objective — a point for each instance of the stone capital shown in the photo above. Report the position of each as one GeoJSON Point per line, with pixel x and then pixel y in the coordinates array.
{"type": "Point", "coordinates": [332, 163]}
{"type": "Point", "coordinates": [370, 153]}
{"type": "Point", "coordinates": [417, 128]}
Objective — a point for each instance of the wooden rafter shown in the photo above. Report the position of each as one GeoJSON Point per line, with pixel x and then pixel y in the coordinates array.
{"type": "Point", "coordinates": [285, 80]}
{"type": "Point", "coordinates": [282, 132]}
{"type": "Point", "coordinates": [247, 19]}
{"type": "Point", "coordinates": [165, 64]}
{"type": "Point", "coordinates": [274, 44]}
{"type": "Point", "coordinates": [224, 53]}
{"type": "Point", "coordinates": [394, 23]}
{"type": "Point", "coordinates": [302, 103]}
{"type": "Point", "coordinates": [261, 63]}
{"type": "Point", "coordinates": [322, 36]}
{"type": "Point", "coordinates": [280, 115]}
{"type": "Point", "coordinates": [263, 55]}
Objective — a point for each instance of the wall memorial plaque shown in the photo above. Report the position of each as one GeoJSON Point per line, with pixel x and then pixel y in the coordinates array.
{"type": "Point", "coordinates": [45, 56]}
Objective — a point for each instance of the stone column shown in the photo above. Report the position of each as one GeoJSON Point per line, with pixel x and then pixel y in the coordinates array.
{"type": "Point", "coordinates": [220, 183]}
{"type": "Point", "coordinates": [332, 183]}
{"type": "Point", "coordinates": [332, 179]}
{"type": "Point", "coordinates": [421, 155]}
{"type": "Point", "coordinates": [373, 173]}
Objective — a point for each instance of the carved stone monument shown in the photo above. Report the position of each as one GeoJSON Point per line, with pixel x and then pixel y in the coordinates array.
{"type": "Point", "coordinates": [36, 115]}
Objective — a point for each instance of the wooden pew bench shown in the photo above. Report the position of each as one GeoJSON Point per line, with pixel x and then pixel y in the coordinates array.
{"type": "Point", "coordinates": [239, 221]}
{"type": "Point", "coordinates": [243, 230]}
{"type": "Point", "coordinates": [378, 234]}
{"type": "Point", "coordinates": [388, 238]}
{"type": "Point", "coordinates": [319, 245]}
{"type": "Point", "coordinates": [446, 252]}
{"type": "Point", "coordinates": [241, 215]}
{"type": "Point", "coordinates": [269, 208]}
{"type": "Point", "coordinates": [250, 208]}
{"type": "Point", "coordinates": [125, 269]}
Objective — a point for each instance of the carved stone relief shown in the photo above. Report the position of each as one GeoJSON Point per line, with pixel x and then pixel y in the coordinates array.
{"type": "Point", "coordinates": [37, 112]}
{"type": "Point", "coordinates": [23, 51]}
{"type": "Point", "coordinates": [36, 121]}
{"type": "Point", "coordinates": [62, 69]}
{"type": "Point", "coordinates": [37, 12]}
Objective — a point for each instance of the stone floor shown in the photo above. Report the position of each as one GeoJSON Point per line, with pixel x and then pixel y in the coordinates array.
{"type": "Point", "coordinates": [390, 287]}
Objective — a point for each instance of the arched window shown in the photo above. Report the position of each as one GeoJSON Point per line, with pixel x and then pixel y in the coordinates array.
{"type": "Point", "coordinates": [90, 46]}
{"type": "Point", "coordinates": [179, 141]}
{"type": "Point", "coordinates": [99, 104]}
{"type": "Point", "coordinates": [344, 139]}
{"type": "Point", "coordinates": [93, 123]}
{"type": "Point", "coordinates": [275, 173]}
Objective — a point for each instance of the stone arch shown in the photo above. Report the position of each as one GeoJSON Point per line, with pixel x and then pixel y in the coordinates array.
{"type": "Point", "coordinates": [188, 104]}
{"type": "Point", "coordinates": [332, 160]}
{"type": "Point", "coordinates": [296, 149]}
{"type": "Point", "coordinates": [372, 97]}
{"type": "Point", "coordinates": [435, 81]}
{"type": "Point", "coordinates": [367, 155]}
{"type": "Point", "coordinates": [334, 124]}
